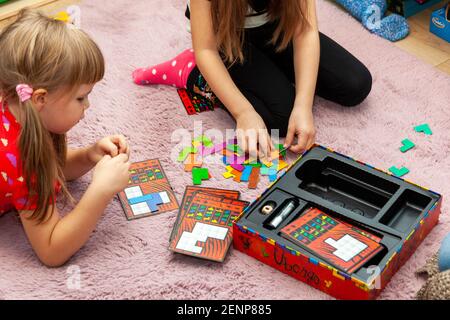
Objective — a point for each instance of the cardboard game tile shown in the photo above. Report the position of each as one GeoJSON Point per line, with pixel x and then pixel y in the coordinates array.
{"type": "Point", "coordinates": [206, 229]}
{"type": "Point", "coordinates": [188, 195]}
{"type": "Point", "coordinates": [195, 103]}
{"type": "Point", "coordinates": [342, 245]}
{"type": "Point", "coordinates": [148, 192]}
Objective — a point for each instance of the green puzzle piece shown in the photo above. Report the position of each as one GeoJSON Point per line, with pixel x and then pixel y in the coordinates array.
{"type": "Point", "coordinates": [185, 152]}
{"type": "Point", "coordinates": [399, 172]}
{"type": "Point", "coordinates": [235, 148]}
{"type": "Point", "coordinates": [425, 128]}
{"type": "Point", "coordinates": [199, 174]}
{"type": "Point", "coordinates": [282, 149]}
{"type": "Point", "coordinates": [205, 141]}
{"type": "Point", "coordinates": [407, 145]}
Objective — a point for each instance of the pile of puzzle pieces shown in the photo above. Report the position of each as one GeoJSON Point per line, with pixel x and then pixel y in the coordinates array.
{"type": "Point", "coordinates": [238, 165]}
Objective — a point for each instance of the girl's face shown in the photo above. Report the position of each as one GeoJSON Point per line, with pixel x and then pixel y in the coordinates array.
{"type": "Point", "coordinates": [64, 109]}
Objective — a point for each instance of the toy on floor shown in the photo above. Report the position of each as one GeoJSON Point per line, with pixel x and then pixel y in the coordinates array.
{"type": "Point", "coordinates": [148, 192]}
{"type": "Point", "coordinates": [407, 145]}
{"type": "Point", "coordinates": [371, 13]}
{"type": "Point", "coordinates": [195, 103]}
{"type": "Point", "coordinates": [189, 194]}
{"type": "Point", "coordinates": [425, 128]}
{"type": "Point", "coordinates": [205, 228]}
{"type": "Point", "coordinates": [238, 165]}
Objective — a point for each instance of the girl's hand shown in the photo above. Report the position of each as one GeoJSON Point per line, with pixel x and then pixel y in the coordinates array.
{"type": "Point", "coordinates": [112, 146]}
{"type": "Point", "coordinates": [253, 136]}
{"type": "Point", "coordinates": [111, 175]}
{"type": "Point", "coordinates": [301, 124]}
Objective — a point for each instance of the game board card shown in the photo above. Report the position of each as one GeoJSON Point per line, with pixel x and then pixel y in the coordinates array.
{"type": "Point", "coordinates": [148, 192]}
{"type": "Point", "coordinates": [195, 103]}
{"type": "Point", "coordinates": [206, 229]}
{"type": "Point", "coordinates": [342, 245]}
{"type": "Point", "coordinates": [187, 198]}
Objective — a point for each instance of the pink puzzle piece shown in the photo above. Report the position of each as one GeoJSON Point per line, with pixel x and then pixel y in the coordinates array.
{"type": "Point", "coordinates": [238, 167]}
{"type": "Point", "coordinates": [206, 151]}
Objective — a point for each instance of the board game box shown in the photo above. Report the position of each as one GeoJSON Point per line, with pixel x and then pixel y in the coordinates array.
{"type": "Point", "coordinates": [337, 224]}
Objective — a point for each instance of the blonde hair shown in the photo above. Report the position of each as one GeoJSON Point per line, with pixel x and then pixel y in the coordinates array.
{"type": "Point", "coordinates": [45, 54]}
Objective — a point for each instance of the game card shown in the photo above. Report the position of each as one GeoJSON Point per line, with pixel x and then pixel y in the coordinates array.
{"type": "Point", "coordinates": [341, 244]}
{"type": "Point", "coordinates": [187, 198]}
{"type": "Point", "coordinates": [206, 229]}
{"type": "Point", "coordinates": [148, 192]}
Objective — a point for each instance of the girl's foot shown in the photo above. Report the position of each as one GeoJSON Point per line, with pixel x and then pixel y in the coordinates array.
{"type": "Point", "coordinates": [174, 72]}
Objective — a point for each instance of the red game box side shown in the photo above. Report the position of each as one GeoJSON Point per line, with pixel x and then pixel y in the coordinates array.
{"type": "Point", "coordinates": [325, 277]}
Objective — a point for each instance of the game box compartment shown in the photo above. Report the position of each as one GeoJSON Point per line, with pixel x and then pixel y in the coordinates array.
{"type": "Point", "coordinates": [395, 210]}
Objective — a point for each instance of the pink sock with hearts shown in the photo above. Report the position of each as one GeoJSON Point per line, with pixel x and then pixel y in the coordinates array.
{"type": "Point", "coordinates": [174, 72]}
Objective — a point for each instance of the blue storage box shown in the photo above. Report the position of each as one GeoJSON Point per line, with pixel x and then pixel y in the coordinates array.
{"type": "Point", "coordinates": [439, 25]}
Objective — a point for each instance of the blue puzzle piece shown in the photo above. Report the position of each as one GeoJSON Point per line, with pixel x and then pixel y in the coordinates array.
{"type": "Point", "coordinates": [153, 200]}
{"type": "Point", "coordinates": [273, 177]}
{"type": "Point", "coordinates": [245, 177]}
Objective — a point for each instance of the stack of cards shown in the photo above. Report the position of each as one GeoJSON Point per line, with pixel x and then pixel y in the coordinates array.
{"type": "Point", "coordinates": [340, 244]}
{"type": "Point", "coordinates": [148, 192]}
{"type": "Point", "coordinates": [204, 224]}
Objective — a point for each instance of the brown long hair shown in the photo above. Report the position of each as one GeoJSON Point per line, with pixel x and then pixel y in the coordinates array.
{"type": "Point", "coordinates": [228, 18]}
{"type": "Point", "coordinates": [44, 53]}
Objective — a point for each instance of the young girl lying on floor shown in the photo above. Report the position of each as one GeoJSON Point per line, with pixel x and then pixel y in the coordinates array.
{"type": "Point", "coordinates": [264, 60]}
{"type": "Point", "coordinates": [47, 71]}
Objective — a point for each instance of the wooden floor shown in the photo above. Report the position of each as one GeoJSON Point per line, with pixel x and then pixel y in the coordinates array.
{"type": "Point", "coordinates": [425, 45]}
{"type": "Point", "coordinates": [420, 42]}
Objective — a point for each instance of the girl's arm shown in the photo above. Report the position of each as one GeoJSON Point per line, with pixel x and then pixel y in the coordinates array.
{"type": "Point", "coordinates": [78, 163]}
{"type": "Point", "coordinates": [306, 61]}
{"type": "Point", "coordinates": [213, 69]}
{"type": "Point", "coordinates": [57, 239]}
{"type": "Point", "coordinates": [81, 161]}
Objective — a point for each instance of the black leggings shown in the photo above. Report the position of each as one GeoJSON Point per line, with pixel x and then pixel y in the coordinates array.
{"type": "Point", "coordinates": [267, 78]}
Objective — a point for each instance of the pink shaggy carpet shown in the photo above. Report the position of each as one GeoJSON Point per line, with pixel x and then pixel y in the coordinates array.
{"type": "Point", "coordinates": [130, 259]}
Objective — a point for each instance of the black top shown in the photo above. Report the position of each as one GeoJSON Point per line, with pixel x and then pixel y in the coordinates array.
{"type": "Point", "coordinates": [260, 6]}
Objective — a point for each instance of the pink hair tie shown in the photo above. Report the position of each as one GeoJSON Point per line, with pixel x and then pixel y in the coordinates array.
{"type": "Point", "coordinates": [24, 92]}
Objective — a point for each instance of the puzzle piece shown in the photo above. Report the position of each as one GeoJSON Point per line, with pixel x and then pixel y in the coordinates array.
{"type": "Point", "coordinates": [199, 175]}
{"type": "Point", "coordinates": [228, 175]}
{"type": "Point", "coordinates": [254, 178]}
{"type": "Point", "coordinates": [185, 153]}
{"type": "Point", "coordinates": [191, 162]}
{"type": "Point", "coordinates": [265, 171]}
{"type": "Point", "coordinates": [204, 140]}
{"type": "Point", "coordinates": [399, 172]}
{"type": "Point", "coordinates": [282, 150]}
{"type": "Point", "coordinates": [425, 128]}
{"type": "Point", "coordinates": [282, 165]}
{"type": "Point", "coordinates": [245, 177]}
{"type": "Point", "coordinates": [150, 201]}
{"type": "Point", "coordinates": [407, 145]}
{"type": "Point", "coordinates": [268, 164]}
{"type": "Point", "coordinates": [238, 167]}
{"type": "Point", "coordinates": [237, 175]}
{"type": "Point", "coordinates": [235, 149]}
{"type": "Point", "coordinates": [206, 151]}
